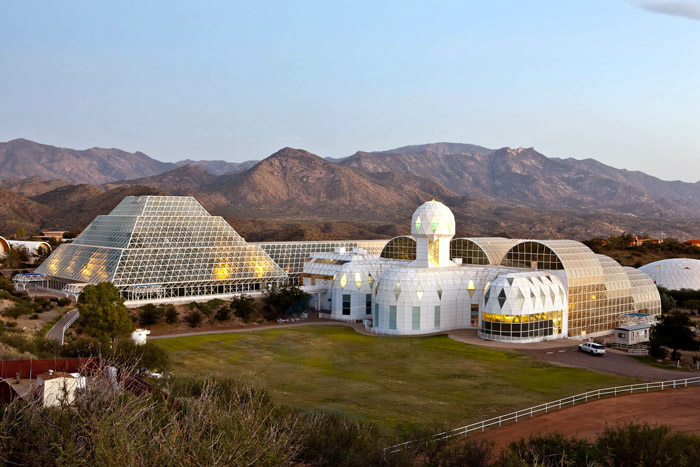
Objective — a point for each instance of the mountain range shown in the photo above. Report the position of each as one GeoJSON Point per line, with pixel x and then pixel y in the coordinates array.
{"type": "Point", "coordinates": [294, 194]}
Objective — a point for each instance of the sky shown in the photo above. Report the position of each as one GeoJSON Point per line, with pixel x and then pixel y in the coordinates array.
{"type": "Point", "coordinates": [615, 80]}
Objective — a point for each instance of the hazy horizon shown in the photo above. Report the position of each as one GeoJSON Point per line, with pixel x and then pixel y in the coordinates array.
{"type": "Point", "coordinates": [612, 80]}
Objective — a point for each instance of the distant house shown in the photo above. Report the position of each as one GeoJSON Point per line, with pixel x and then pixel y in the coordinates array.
{"type": "Point", "coordinates": [56, 235]}
{"type": "Point", "coordinates": [641, 241]}
{"type": "Point", "coordinates": [695, 243]}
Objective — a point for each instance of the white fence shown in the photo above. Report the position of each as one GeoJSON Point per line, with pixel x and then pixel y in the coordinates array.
{"type": "Point", "coordinates": [481, 426]}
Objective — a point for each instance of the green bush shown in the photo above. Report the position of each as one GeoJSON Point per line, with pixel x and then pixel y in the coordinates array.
{"type": "Point", "coordinates": [223, 314]}
{"type": "Point", "coordinates": [194, 318]}
{"type": "Point", "coordinates": [150, 314]}
{"type": "Point", "coordinates": [171, 316]}
{"type": "Point", "coordinates": [64, 301]}
{"type": "Point", "coordinates": [244, 307]}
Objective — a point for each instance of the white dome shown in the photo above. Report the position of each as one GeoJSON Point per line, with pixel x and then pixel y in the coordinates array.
{"type": "Point", "coordinates": [674, 274]}
{"type": "Point", "coordinates": [433, 219]}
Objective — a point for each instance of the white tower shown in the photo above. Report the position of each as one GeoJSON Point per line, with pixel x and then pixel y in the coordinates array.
{"type": "Point", "coordinates": [433, 226]}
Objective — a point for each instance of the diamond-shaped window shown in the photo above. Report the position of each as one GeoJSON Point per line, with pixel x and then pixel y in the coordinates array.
{"type": "Point", "coordinates": [358, 280]}
{"type": "Point", "coordinates": [397, 290]}
{"type": "Point", "coordinates": [471, 288]}
{"type": "Point", "coordinates": [343, 281]}
{"type": "Point", "coordinates": [439, 290]}
{"type": "Point", "coordinates": [434, 224]}
{"type": "Point", "coordinates": [419, 292]}
{"type": "Point", "coordinates": [418, 223]}
{"type": "Point", "coordinates": [370, 281]}
{"type": "Point", "coordinates": [502, 298]}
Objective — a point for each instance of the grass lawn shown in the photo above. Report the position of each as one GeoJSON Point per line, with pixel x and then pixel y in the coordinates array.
{"type": "Point", "coordinates": [426, 382]}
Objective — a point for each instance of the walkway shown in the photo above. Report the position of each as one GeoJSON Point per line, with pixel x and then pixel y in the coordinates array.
{"type": "Point", "coordinates": [265, 327]}
{"type": "Point", "coordinates": [678, 409]}
{"type": "Point", "coordinates": [56, 332]}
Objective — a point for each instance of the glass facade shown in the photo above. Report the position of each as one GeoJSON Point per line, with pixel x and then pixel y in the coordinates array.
{"type": "Point", "coordinates": [645, 294]}
{"type": "Point", "coordinates": [481, 251]}
{"type": "Point", "coordinates": [171, 242]}
{"type": "Point", "coordinates": [518, 327]}
{"type": "Point", "coordinates": [291, 256]}
{"type": "Point", "coordinates": [403, 248]}
{"type": "Point", "coordinates": [599, 289]}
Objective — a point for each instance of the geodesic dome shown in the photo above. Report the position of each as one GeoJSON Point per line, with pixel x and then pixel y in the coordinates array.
{"type": "Point", "coordinates": [674, 274]}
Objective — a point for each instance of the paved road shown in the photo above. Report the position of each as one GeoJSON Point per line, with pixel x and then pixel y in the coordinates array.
{"type": "Point", "coordinates": [612, 362]}
{"type": "Point", "coordinates": [56, 332]}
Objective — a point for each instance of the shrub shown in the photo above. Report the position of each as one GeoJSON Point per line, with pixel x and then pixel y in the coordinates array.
{"type": "Point", "coordinates": [285, 302]}
{"type": "Point", "coordinates": [194, 318]}
{"type": "Point", "coordinates": [223, 314]}
{"type": "Point", "coordinates": [171, 316]}
{"type": "Point", "coordinates": [64, 301]}
{"type": "Point", "coordinates": [150, 315]}
{"type": "Point", "coordinates": [34, 316]}
{"type": "Point", "coordinates": [244, 307]}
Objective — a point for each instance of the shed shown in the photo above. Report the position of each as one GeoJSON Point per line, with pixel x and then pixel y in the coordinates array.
{"type": "Point", "coordinates": [632, 335]}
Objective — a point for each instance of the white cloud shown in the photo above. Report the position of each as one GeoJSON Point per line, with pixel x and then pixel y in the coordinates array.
{"type": "Point", "coordinates": [683, 8]}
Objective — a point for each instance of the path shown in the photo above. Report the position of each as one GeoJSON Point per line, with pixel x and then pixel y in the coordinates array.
{"type": "Point", "coordinates": [56, 332]}
{"type": "Point", "coordinates": [317, 322]}
{"type": "Point", "coordinates": [677, 408]}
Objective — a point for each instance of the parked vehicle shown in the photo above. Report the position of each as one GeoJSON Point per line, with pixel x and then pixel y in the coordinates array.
{"type": "Point", "coordinates": [592, 348]}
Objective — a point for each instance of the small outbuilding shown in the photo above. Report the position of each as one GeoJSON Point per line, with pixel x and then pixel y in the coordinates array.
{"type": "Point", "coordinates": [632, 334]}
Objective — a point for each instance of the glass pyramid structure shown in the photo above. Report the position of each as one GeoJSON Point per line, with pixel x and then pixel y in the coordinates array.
{"type": "Point", "coordinates": [162, 247]}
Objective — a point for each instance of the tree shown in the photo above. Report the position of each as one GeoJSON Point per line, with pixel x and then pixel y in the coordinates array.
{"type": "Point", "coordinates": [673, 331]}
{"type": "Point", "coordinates": [16, 257]}
{"type": "Point", "coordinates": [20, 234]}
{"type": "Point", "coordinates": [103, 312]}
{"type": "Point", "coordinates": [667, 302]}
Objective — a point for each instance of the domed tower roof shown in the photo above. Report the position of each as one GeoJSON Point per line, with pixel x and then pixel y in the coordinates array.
{"type": "Point", "coordinates": [433, 219]}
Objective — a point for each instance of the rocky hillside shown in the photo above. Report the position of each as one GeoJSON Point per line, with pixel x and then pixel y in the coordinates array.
{"type": "Point", "coordinates": [525, 177]}
{"type": "Point", "coordinates": [296, 194]}
{"type": "Point", "coordinates": [22, 159]}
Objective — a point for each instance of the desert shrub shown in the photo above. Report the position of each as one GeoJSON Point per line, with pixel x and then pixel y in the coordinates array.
{"type": "Point", "coordinates": [208, 429]}
{"type": "Point", "coordinates": [194, 318]}
{"type": "Point", "coordinates": [150, 314]}
{"type": "Point", "coordinates": [244, 307]}
{"type": "Point", "coordinates": [208, 308]}
{"type": "Point", "coordinates": [64, 301]}
{"type": "Point", "coordinates": [633, 445]}
{"type": "Point", "coordinates": [550, 450]}
{"type": "Point", "coordinates": [286, 301]}
{"type": "Point", "coordinates": [171, 316]}
{"type": "Point", "coordinates": [223, 314]}
{"type": "Point", "coordinates": [140, 358]}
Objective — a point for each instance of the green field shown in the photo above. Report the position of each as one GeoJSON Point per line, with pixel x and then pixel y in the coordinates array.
{"type": "Point", "coordinates": [392, 381]}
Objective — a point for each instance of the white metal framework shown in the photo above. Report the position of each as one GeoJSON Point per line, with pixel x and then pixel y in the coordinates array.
{"type": "Point", "coordinates": [22, 280]}
{"type": "Point", "coordinates": [165, 248]}
{"type": "Point", "coordinates": [291, 256]}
